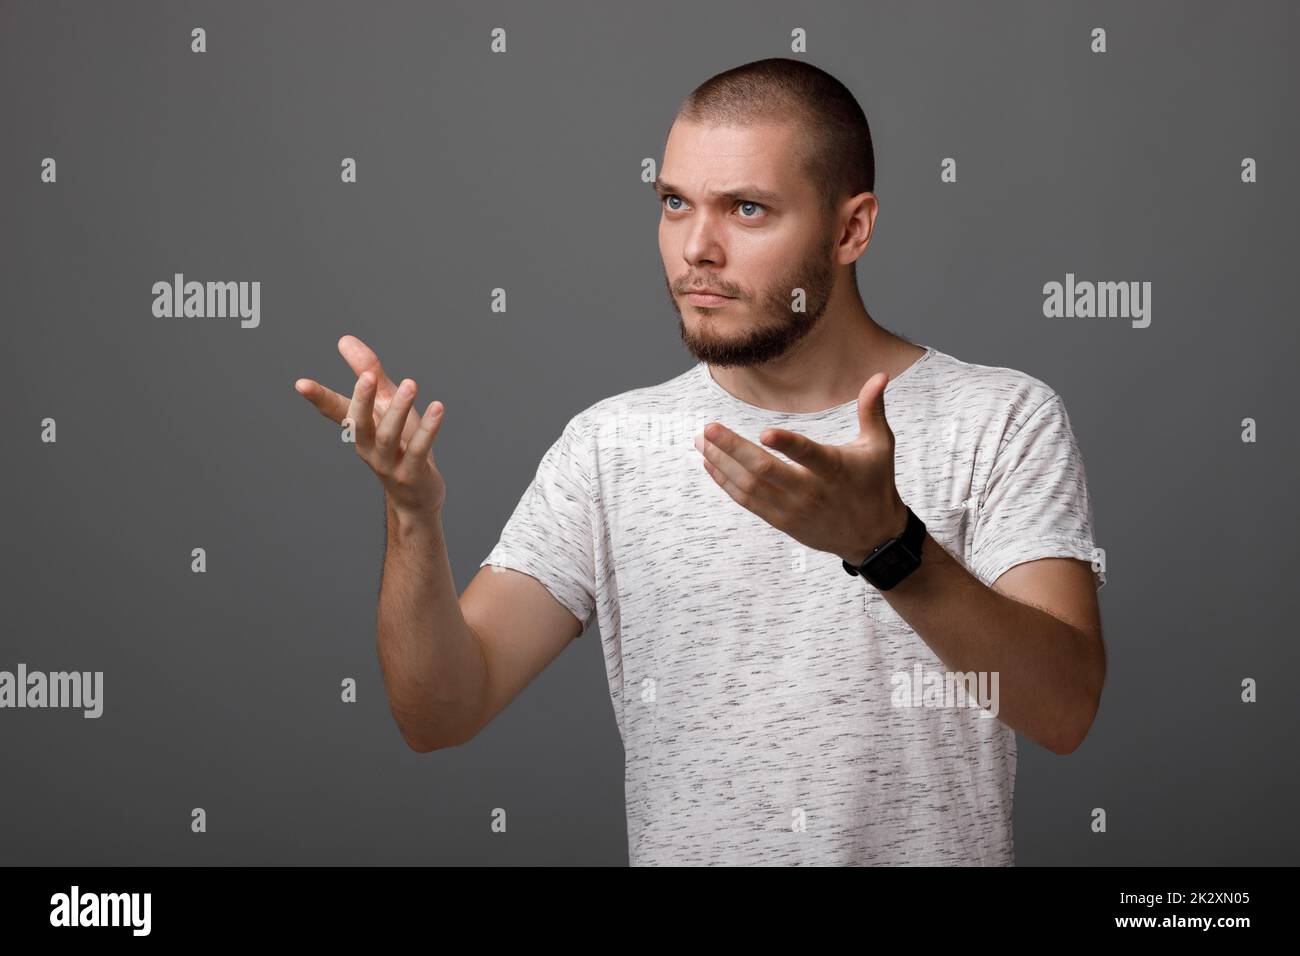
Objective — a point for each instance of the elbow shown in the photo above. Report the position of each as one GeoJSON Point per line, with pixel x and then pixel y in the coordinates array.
{"type": "Point", "coordinates": [1072, 735]}
{"type": "Point", "coordinates": [424, 740]}
{"type": "Point", "coordinates": [1066, 745]}
{"type": "Point", "coordinates": [419, 745]}
{"type": "Point", "coordinates": [426, 743]}
{"type": "Point", "coordinates": [440, 722]}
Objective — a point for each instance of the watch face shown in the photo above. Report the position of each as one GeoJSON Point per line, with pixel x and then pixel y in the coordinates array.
{"type": "Point", "coordinates": [888, 563]}
{"type": "Point", "coordinates": [892, 563]}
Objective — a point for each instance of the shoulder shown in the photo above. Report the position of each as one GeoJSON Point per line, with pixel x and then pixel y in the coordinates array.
{"type": "Point", "coordinates": [1005, 398]}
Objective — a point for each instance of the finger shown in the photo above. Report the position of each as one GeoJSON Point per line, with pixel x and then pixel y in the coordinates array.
{"type": "Point", "coordinates": [740, 478]}
{"type": "Point", "coordinates": [800, 448]}
{"type": "Point", "coordinates": [751, 501]}
{"type": "Point", "coordinates": [761, 463]}
{"type": "Point", "coordinates": [422, 441]}
{"type": "Point", "coordinates": [411, 425]}
{"type": "Point", "coordinates": [361, 411]}
{"type": "Point", "coordinates": [417, 449]}
{"type": "Point", "coordinates": [871, 405]}
{"type": "Point", "coordinates": [362, 358]}
{"type": "Point", "coordinates": [390, 429]}
{"type": "Point", "coordinates": [327, 401]}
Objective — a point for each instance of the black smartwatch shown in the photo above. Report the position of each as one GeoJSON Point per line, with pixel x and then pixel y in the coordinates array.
{"type": "Point", "coordinates": [895, 559]}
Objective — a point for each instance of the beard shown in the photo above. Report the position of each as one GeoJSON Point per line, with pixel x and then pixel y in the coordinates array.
{"type": "Point", "coordinates": [778, 327]}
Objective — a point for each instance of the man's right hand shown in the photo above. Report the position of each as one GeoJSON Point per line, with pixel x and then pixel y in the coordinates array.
{"type": "Point", "coordinates": [450, 664]}
{"type": "Point", "coordinates": [390, 437]}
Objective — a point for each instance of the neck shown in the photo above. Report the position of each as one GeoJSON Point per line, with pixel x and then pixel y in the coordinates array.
{"type": "Point", "coordinates": [826, 368]}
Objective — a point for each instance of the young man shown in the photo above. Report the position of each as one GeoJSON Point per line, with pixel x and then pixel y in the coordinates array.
{"type": "Point", "coordinates": [833, 572]}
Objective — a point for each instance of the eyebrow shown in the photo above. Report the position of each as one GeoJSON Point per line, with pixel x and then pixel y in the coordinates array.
{"type": "Point", "coordinates": [753, 193]}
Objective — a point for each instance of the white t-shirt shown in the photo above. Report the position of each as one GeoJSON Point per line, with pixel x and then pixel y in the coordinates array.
{"type": "Point", "coordinates": [773, 708]}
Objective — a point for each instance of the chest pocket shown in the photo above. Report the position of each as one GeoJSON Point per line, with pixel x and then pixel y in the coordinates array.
{"type": "Point", "coordinates": [951, 527]}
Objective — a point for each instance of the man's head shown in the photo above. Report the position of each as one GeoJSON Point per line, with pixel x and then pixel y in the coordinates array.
{"type": "Point", "coordinates": [762, 193]}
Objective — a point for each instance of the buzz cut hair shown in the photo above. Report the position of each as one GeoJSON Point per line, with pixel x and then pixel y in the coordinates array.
{"type": "Point", "coordinates": [838, 156]}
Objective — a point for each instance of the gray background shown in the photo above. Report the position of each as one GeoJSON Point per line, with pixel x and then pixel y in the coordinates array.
{"type": "Point", "coordinates": [522, 170]}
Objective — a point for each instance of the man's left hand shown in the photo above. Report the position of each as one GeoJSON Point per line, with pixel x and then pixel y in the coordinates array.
{"type": "Point", "coordinates": [836, 498]}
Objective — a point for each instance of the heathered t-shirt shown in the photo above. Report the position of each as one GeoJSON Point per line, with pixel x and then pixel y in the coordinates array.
{"type": "Point", "coordinates": [774, 709]}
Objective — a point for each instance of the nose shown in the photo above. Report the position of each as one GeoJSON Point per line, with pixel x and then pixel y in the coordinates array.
{"type": "Point", "coordinates": [703, 242]}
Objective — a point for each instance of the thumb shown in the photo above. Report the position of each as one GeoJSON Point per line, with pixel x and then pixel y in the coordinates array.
{"type": "Point", "coordinates": [871, 406]}
{"type": "Point", "coordinates": [362, 358]}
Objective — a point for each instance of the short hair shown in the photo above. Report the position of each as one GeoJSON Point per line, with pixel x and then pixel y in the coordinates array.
{"type": "Point", "coordinates": [839, 158]}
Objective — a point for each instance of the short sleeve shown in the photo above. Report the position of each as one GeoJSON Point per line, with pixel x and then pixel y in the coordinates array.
{"type": "Point", "coordinates": [549, 534]}
{"type": "Point", "coordinates": [1036, 503]}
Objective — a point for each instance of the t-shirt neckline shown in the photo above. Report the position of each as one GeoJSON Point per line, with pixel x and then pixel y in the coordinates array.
{"type": "Point", "coordinates": [849, 407]}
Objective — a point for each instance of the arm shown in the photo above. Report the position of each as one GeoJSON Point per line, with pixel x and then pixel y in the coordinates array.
{"type": "Point", "coordinates": [1038, 628]}
{"type": "Point", "coordinates": [451, 665]}
{"type": "Point", "coordinates": [434, 671]}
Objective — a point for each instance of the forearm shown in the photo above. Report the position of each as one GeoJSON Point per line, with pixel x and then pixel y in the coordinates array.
{"type": "Point", "coordinates": [434, 671]}
{"type": "Point", "coordinates": [1049, 672]}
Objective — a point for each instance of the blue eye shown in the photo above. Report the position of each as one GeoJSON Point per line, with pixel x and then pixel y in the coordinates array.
{"type": "Point", "coordinates": [667, 199]}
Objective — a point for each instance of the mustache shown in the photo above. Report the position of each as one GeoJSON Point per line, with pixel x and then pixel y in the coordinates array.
{"type": "Point", "coordinates": [681, 288]}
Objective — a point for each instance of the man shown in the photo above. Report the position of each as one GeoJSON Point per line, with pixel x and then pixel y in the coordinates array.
{"type": "Point", "coordinates": [791, 684]}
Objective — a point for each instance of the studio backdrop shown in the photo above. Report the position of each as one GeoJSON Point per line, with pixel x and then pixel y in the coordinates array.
{"type": "Point", "coordinates": [180, 523]}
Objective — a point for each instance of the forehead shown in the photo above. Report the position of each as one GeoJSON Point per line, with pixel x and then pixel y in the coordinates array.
{"type": "Point", "coordinates": [707, 157]}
